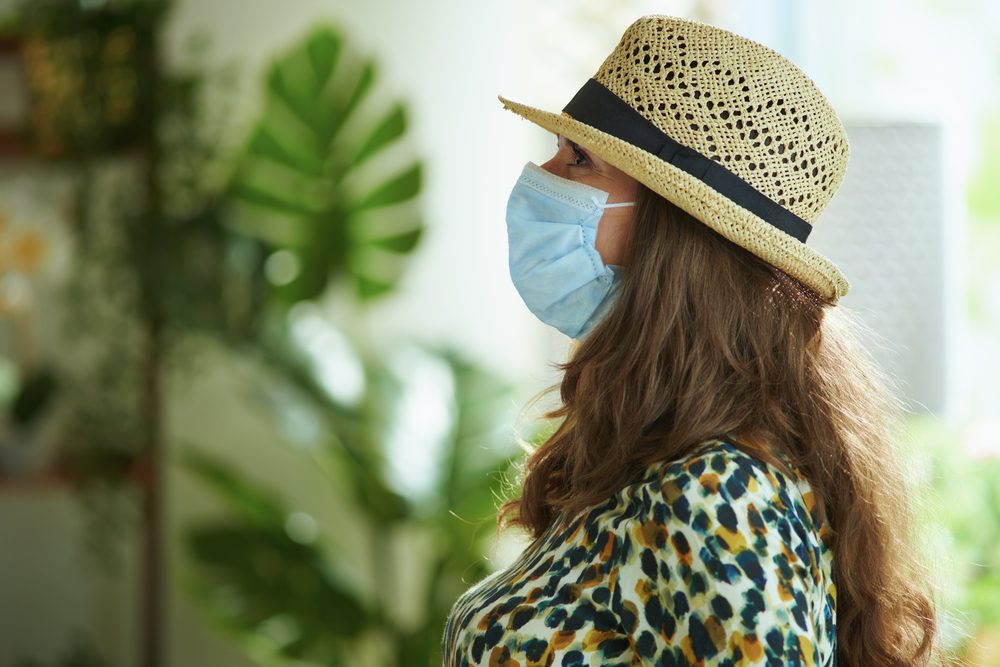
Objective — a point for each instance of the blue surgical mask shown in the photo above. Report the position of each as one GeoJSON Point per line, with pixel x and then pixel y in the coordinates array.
{"type": "Point", "coordinates": [554, 264]}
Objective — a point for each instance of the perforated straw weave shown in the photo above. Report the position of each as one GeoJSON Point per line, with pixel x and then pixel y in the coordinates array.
{"type": "Point", "coordinates": [724, 127]}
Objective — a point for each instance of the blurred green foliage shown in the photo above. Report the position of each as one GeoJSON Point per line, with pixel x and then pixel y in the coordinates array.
{"type": "Point", "coordinates": [961, 510]}
{"type": "Point", "coordinates": [285, 596]}
{"type": "Point", "coordinates": [323, 192]}
{"type": "Point", "coordinates": [300, 161]}
{"type": "Point", "coordinates": [282, 593]}
{"type": "Point", "coordinates": [983, 194]}
{"type": "Point", "coordinates": [87, 73]}
{"type": "Point", "coordinates": [984, 231]}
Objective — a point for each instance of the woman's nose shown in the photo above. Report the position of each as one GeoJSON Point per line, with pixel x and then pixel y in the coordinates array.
{"type": "Point", "coordinates": [554, 166]}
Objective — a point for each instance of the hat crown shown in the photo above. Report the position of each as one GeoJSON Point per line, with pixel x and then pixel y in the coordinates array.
{"type": "Point", "coordinates": [735, 101]}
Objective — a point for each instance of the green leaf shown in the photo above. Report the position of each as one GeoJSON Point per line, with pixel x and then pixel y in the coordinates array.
{"type": "Point", "coordinates": [297, 163]}
{"type": "Point", "coordinates": [248, 576]}
{"type": "Point", "coordinates": [323, 49]}
{"type": "Point", "coordinates": [264, 144]}
{"type": "Point", "coordinates": [392, 127]}
{"type": "Point", "coordinates": [354, 98]}
{"type": "Point", "coordinates": [369, 288]}
{"type": "Point", "coordinates": [400, 243]}
{"type": "Point", "coordinates": [404, 186]}
{"type": "Point", "coordinates": [253, 504]}
{"type": "Point", "coordinates": [281, 202]}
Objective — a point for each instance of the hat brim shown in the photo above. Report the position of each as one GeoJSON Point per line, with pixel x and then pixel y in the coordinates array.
{"type": "Point", "coordinates": [725, 216]}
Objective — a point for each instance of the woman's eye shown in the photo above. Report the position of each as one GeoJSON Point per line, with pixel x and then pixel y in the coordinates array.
{"type": "Point", "coordinates": [579, 156]}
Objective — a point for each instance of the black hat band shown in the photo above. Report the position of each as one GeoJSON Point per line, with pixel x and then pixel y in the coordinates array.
{"type": "Point", "coordinates": [598, 107]}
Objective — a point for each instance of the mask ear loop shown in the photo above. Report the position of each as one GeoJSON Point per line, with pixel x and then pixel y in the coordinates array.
{"type": "Point", "coordinates": [615, 205]}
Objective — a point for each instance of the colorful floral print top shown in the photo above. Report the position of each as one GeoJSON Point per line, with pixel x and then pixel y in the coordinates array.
{"type": "Point", "coordinates": [713, 559]}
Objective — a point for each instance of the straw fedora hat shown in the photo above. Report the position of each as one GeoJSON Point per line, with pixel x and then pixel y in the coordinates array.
{"type": "Point", "coordinates": [724, 127]}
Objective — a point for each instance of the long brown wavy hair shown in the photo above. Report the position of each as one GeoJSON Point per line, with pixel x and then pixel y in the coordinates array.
{"type": "Point", "coordinates": [708, 341]}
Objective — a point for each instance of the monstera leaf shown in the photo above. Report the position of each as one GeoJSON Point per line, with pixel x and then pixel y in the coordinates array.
{"type": "Point", "coordinates": [263, 581]}
{"type": "Point", "coordinates": [321, 179]}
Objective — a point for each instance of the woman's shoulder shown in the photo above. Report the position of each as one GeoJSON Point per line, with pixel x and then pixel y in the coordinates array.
{"type": "Point", "coordinates": [727, 472]}
{"type": "Point", "coordinates": [721, 456]}
{"type": "Point", "coordinates": [721, 485]}
{"type": "Point", "coordinates": [724, 542]}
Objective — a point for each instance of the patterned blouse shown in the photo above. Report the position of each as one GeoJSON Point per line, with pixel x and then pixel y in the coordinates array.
{"type": "Point", "coordinates": [713, 559]}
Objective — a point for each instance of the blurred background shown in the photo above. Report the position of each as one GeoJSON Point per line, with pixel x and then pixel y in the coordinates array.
{"type": "Point", "coordinates": [261, 362]}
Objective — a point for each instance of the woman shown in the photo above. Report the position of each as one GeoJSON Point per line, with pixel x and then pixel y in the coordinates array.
{"type": "Point", "coordinates": [723, 487]}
